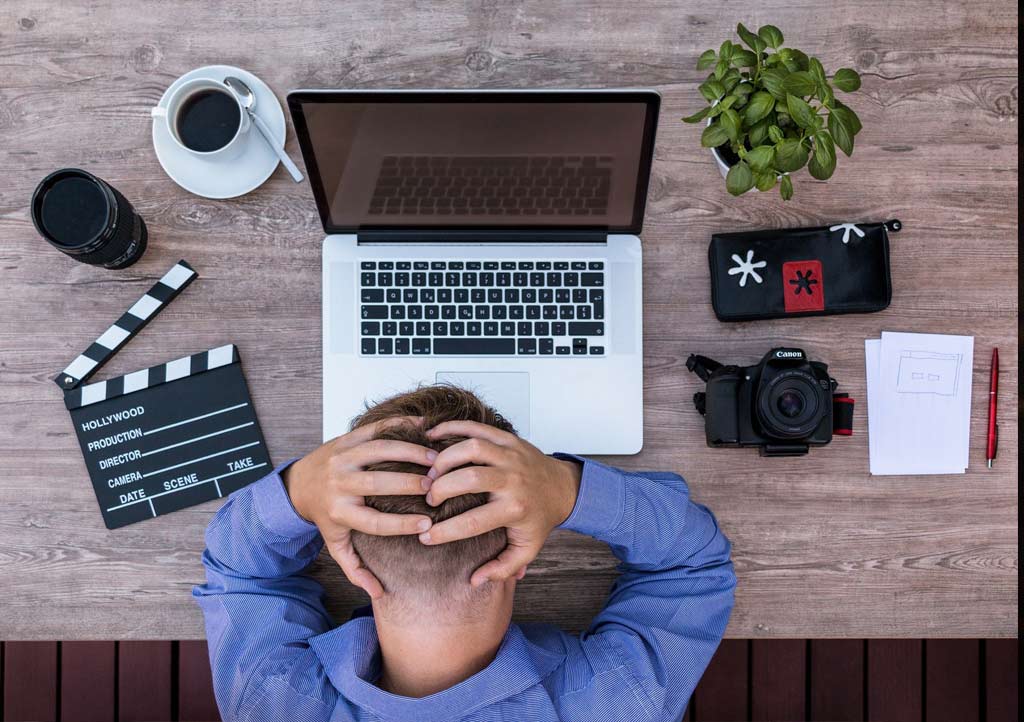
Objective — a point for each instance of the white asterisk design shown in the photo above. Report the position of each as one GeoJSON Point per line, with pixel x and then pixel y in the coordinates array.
{"type": "Point", "coordinates": [846, 228]}
{"type": "Point", "coordinates": [747, 268]}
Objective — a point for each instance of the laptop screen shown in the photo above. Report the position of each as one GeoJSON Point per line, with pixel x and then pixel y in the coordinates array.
{"type": "Point", "coordinates": [476, 159]}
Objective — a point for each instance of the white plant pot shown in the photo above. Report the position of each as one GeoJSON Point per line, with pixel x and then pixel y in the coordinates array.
{"type": "Point", "coordinates": [723, 167]}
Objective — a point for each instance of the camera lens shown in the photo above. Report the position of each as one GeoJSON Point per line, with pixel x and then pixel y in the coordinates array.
{"type": "Point", "coordinates": [790, 403]}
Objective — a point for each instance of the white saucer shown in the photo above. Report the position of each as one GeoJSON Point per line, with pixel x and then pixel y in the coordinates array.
{"type": "Point", "coordinates": [223, 178]}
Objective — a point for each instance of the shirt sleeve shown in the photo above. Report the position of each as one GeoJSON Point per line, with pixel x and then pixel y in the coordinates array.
{"type": "Point", "coordinates": [260, 611]}
{"type": "Point", "coordinates": [669, 607]}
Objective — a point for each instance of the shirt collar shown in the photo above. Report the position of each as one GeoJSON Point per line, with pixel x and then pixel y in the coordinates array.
{"type": "Point", "coordinates": [350, 655]}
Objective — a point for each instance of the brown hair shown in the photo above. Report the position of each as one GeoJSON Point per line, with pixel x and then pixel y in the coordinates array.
{"type": "Point", "coordinates": [409, 570]}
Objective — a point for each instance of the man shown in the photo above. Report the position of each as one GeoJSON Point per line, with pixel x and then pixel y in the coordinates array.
{"type": "Point", "coordinates": [434, 507]}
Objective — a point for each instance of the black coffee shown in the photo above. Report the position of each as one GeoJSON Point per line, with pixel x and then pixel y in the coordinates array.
{"type": "Point", "coordinates": [208, 120]}
{"type": "Point", "coordinates": [74, 210]}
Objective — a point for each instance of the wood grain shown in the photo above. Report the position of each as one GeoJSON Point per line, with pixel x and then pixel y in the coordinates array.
{"type": "Point", "coordinates": [895, 668]}
{"type": "Point", "coordinates": [87, 681]}
{"type": "Point", "coordinates": [821, 548]}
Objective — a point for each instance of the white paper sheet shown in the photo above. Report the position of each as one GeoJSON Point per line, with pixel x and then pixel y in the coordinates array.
{"type": "Point", "coordinates": [919, 403]}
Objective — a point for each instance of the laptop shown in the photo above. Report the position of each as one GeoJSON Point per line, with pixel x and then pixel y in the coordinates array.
{"type": "Point", "coordinates": [487, 239]}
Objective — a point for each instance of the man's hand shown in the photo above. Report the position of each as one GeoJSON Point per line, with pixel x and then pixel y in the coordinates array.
{"type": "Point", "coordinates": [530, 493]}
{"type": "Point", "coordinates": [328, 487]}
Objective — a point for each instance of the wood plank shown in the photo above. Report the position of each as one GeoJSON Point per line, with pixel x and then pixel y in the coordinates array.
{"type": "Point", "coordinates": [144, 681]}
{"type": "Point", "coordinates": [894, 683]}
{"type": "Point", "coordinates": [1002, 680]}
{"type": "Point", "coordinates": [836, 678]}
{"type": "Point", "coordinates": [196, 700]}
{"type": "Point", "coordinates": [951, 679]}
{"type": "Point", "coordinates": [778, 679]}
{"type": "Point", "coordinates": [88, 675]}
{"type": "Point", "coordinates": [723, 692]}
{"type": "Point", "coordinates": [30, 681]}
{"type": "Point", "coordinates": [830, 552]}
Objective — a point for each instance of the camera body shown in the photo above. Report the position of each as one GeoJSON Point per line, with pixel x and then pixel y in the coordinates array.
{"type": "Point", "coordinates": [783, 405]}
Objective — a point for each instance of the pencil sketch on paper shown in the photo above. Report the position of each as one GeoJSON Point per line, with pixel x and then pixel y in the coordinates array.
{"type": "Point", "coordinates": [927, 372]}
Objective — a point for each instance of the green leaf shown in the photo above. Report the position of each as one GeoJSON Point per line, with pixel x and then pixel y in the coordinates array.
{"type": "Point", "coordinates": [698, 116]}
{"type": "Point", "coordinates": [721, 68]}
{"type": "Point", "coordinates": [758, 133]}
{"type": "Point", "coordinates": [800, 83]}
{"type": "Point", "coordinates": [828, 98]}
{"type": "Point", "coordinates": [775, 133]}
{"type": "Point", "coordinates": [790, 155]}
{"type": "Point", "coordinates": [740, 179]}
{"type": "Point", "coordinates": [759, 105]}
{"type": "Point", "coordinates": [706, 59]}
{"type": "Point", "coordinates": [712, 90]}
{"type": "Point", "coordinates": [848, 118]}
{"type": "Point", "coordinates": [713, 136]}
{"type": "Point", "coordinates": [771, 35]}
{"type": "Point", "coordinates": [800, 111]}
{"type": "Point", "coordinates": [744, 58]}
{"type": "Point", "coordinates": [786, 188]}
{"type": "Point", "coordinates": [823, 163]}
{"type": "Point", "coordinates": [772, 80]}
{"type": "Point", "coordinates": [743, 89]}
{"type": "Point", "coordinates": [725, 51]}
{"type": "Point", "coordinates": [816, 70]}
{"type": "Point", "coordinates": [730, 121]}
{"type": "Point", "coordinates": [761, 158]}
{"type": "Point", "coordinates": [840, 133]}
{"type": "Point", "coordinates": [764, 181]}
{"type": "Point", "coordinates": [782, 119]}
{"type": "Point", "coordinates": [846, 80]}
{"type": "Point", "coordinates": [755, 43]}
{"type": "Point", "coordinates": [800, 58]}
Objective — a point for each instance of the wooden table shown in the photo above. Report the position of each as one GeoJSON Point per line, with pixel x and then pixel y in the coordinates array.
{"type": "Point", "coordinates": [821, 548]}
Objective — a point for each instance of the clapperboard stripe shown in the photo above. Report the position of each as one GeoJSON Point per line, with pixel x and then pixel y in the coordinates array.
{"type": "Point", "coordinates": [151, 304]}
{"type": "Point", "coordinates": [148, 378]}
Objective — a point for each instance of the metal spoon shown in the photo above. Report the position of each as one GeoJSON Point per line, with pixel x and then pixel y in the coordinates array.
{"type": "Point", "coordinates": [248, 100]}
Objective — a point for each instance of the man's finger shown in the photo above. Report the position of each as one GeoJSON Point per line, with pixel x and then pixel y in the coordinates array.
{"type": "Point", "coordinates": [377, 523]}
{"type": "Point", "coordinates": [468, 480]}
{"type": "Point", "coordinates": [372, 431]}
{"type": "Point", "coordinates": [473, 430]}
{"type": "Point", "coordinates": [380, 450]}
{"type": "Point", "coordinates": [467, 524]}
{"type": "Point", "coordinates": [509, 563]}
{"type": "Point", "coordinates": [384, 483]}
{"type": "Point", "coordinates": [352, 566]}
{"type": "Point", "coordinates": [470, 451]}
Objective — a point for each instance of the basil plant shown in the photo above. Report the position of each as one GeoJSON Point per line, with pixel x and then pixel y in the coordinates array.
{"type": "Point", "coordinates": [773, 110]}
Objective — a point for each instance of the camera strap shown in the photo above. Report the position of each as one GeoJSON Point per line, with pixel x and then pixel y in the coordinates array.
{"type": "Point", "coordinates": [702, 366]}
{"type": "Point", "coordinates": [842, 415]}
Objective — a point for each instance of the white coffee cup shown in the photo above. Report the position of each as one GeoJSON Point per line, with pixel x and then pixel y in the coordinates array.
{"type": "Point", "coordinates": [175, 103]}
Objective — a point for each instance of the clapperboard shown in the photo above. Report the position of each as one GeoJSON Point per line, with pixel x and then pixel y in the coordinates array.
{"type": "Point", "coordinates": [166, 437]}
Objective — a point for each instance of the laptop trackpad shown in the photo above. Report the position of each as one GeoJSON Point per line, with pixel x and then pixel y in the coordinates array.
{"type": "Point", "coordinates": [507, 392]}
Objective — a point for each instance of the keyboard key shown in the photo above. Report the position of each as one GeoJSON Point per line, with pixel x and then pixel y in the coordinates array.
{"type": "Point", "coordinates": [558, 328]}
{"type": "Point", "coordinates": [578, 265]}
{"type": "Point", "coordinates": [527, 346]}
{"type": "Point", "coordinates": [541, 328]}
{"type": "Point", "coordinates": [437, 265]}
{"type": "Point", "coordinates": [478, 295]}
{"type": "Point", "coordinates": [369, 346]}
{"type": "Point", "coordinates": [403, 266]}
{"type": "Point", "coordinates": [385, 346]}
{"type": "Point", "coordinates": [375, 312]}
{"type": "Point", "coordinates": [474, 328]}
{"type": "Point", "coordinates": [533, 312]}
{"type": "Point", "coordinates": [570, 279]}
{"type": "Point", "coordinates": [420, 265]}
{"type": "Point", "coordinates": [591, 279]}
{"type": "Point", "coordinates": [561, 266]}
{"type": "Point", "coordinates": [547, 346]}
{"type": "Point", "coordinates": [402, 346]}
{"type": "Point", "coordinates": [394, 295]}
{"type": "Point", "coordinates": [465, 312]}
{"type": "Point", "coordinates": [520, 279]}
{"type": "Point", "coordinates": [469, 279]}
{"type": "Point", "coordinates": [590, 328]}
{"type": "Point", "coordinates": [444, 295]}
{"type": "Point", "coordinates": [457, 328]}
{"type": "Point", "coordinates": [596, 294]}
{"type": "Point", "coordinates": [448, 312]}
{"type": "Point", "coordinates": [474, 346]}
{"type": "Point", "coordinates": [504, 279]}
{"type": "Point", "coordinates": [368, 279]}
{"type": "Point", "coordinates": [410, 295]}
{"type": "Point", "coordinates": [508, 265]}
{"type": "Point", "coordinates": [431, 312]}
{"type": "Point", "coordinates": [461, 295]}
{"type": "Point", "coordinates": [499, 312]}
{"type": "Point", "coordinates": [516, 312]}
{"type": "Point", "coordinates": [482, 312]}
{"type": "Point", "coordinates": [579, 295]}
{"type": "Point", "coordinates": [435, 279]}
{"type": "Point", "coordinates": [455, 265]}
{"type": "Point", "coordinates": [562, 295]}
{"type": "Point", "coordinates": [579, 346]}
{"type": "Point", "coordinates": [491, 265]}
{"type": "Point", "coordinates": [566, 312]}
{"type": "Point", "coordinates": [368, 265]}
{"type": "Point", "coordinates": [596, 350]}
{"type": "Point", "coordinates": [554, 279]}
{"type": "Point", "coordinates": [525, 265]}
{"type": "Point", "coordinates": [398, 312]}
{"type": "Point", "coordinates": [422, 328]}
{"type": "Point", "coordinates": [372, 295]}
{"type": "Point", "coordinates": [490, 328]}
{"type": "Point", "coordinates": [508, 328]}
{"type": "Point", "coordinates": [371, 328]}
{"type": "Point", "coordinates": [452, 279]}
{"type": "Point", "coordinates": [511, 295]}
{"type": "Point", "coordinates": [563, 350]}
{"type": "Point", "coordinates": [494, 295]}
{"type": "Point", "coordinates": [390, 328]}
{"type": "Point", "coordinates": [473, 265]}
{"type": "Point", "coordinates": [419, 279]}
{"type": "Point", "coordinates": [386, 266]}
{"type": "Point", "coordinates": [401, 279]}
{"type": "Point", "coordinates": [524, 328]}
{"type": "Point", "coordinates": [385, 279]}
{"type": "Point", "coordinates": [427, 295]}
{"type": "Point", "coordinates": [420, 346]}
{"type": "Point", "coordinates": [543, 265]}
{"type": "Point", "coordinates": [550, 312]}
{"type": "Point", "coordinates": [415, 312]}
{"type": "Point", "coordinates": [529, 295]}
{"type": "Point", "coordinates": [596, 265]}
{"type": "Point", "coordinates": [583, 313]}
{"type": "Point", "coordinates": [405, 328]}
{"type": "Point", "coordinates": [440, 328]}
{"type": "Point", "coordinates": [546, 295]}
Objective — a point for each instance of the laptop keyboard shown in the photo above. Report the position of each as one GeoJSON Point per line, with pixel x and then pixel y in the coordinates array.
{"type": "Point", "coordinates": [507, 308]}
{"type": "Point", "coordinates": [493, 186]}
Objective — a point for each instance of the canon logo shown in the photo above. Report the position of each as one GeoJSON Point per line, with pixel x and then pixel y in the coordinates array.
{"type": "Point", "coordinates": [789, 354]}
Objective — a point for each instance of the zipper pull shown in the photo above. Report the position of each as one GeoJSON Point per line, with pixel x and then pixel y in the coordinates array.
{"type": "Point", "coordinates": [895, 225]}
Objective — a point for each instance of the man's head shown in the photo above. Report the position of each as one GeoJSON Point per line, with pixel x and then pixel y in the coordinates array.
{"type": "Point", "coordinates": [412, 573]}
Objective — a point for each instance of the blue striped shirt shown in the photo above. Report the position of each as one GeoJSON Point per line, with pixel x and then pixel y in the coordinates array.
{"type": "Point", "coordinates": [277, 655]}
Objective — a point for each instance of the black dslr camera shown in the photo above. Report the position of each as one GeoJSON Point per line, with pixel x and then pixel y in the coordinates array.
{"type": "Point", "coordinates": [784, 405]}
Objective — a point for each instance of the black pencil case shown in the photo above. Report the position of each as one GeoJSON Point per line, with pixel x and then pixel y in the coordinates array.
{"type": "Point", "coordinates": [839, 268]}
